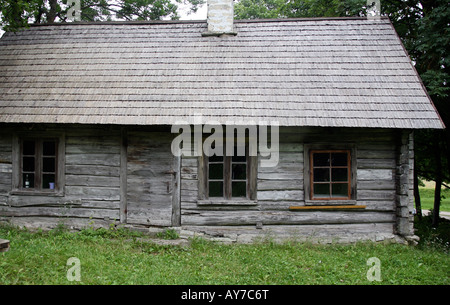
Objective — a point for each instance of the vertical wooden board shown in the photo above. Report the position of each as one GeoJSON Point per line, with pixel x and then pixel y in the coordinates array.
{"type": "Point", "coordinates": [176, 192]}
{"type": "Point", "coordinates": [150, 178]}
{"type": "Point", "coordinates": [123, 176]}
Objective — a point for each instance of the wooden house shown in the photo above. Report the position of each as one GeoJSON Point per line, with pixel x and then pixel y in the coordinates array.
{"type": "Point", "coordinates": [87, 109]}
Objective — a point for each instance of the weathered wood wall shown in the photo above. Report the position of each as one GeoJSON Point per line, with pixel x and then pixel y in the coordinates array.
{"type": "Point", "coordinates": [92, 185]}
{"type": "Point", "coordinates": [283, 186]}
{"type": "Point", "coordinates": [5, 166]}
{"type": "Point", "coordinates": [129, 174]}
{"type": "Point", "coordinates": [94, 191]}
{"type": "Point", "coordinates": [150, 178]}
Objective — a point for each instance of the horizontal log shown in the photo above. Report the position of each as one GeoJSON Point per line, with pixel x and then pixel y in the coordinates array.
{"type": "Point", "coordinates": [376, 195]}
{"type": "Point", "coordinates": [89, 180]}
{"type": "Point", "coordinates": [376, 163]}
{"type": "Point", "coordinates": [94, 159]}
{"type": "Point", "coordinates": [48, 222]}
{"type": "Point", "coordinates": [291, 184]}
{"type": "Point", "coordinates": [60, 212]}
{"type": "Point", "coordinates": [5, 168]}
{"type": "Point", "coordinates": [283, 217]}
{"type": "Point", "coordinates": [375, 185]}
{"type": "Point", "coordinates": [280, 175]}
{"type": "Point", "coordinates": [375, 174]}
{"type": "Point", "coordinates": [93, 170]}
{"type": "Point", "coordinates": [345, 232]}
{"type": "Point", "coordinates": [158, 217]}
{"type": "Point", "coordinates": [99, 193]}
{"type": "Point", "coordinates": [327, 207]}
{"type": "Point", "coordinates": [281, 195]}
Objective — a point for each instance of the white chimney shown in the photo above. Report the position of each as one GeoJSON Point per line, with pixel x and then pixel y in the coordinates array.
{"type": "Point", "coordinates": [220, 18]}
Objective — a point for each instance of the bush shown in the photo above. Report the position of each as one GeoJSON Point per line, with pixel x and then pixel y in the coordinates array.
{"type": "Point", "coordinates": [434, 238]}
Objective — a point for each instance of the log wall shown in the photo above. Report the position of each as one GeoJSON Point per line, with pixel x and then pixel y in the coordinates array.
{"type": "Point", "coordinates": [91, 191]}
{"type": "Point", "coordinates": [129, 175]}
{"type": "Point", "coordinates": [282, 186]}
{"type": "Point", "coordinates": [112, 175]}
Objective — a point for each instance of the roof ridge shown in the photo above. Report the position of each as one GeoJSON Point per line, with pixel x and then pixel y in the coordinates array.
{"type": "Point", "coordinates": [143, 22]}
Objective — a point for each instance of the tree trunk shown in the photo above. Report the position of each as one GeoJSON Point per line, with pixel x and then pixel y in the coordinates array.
{"type": "Point", "coordinates": [416, 193]}
{"type": "Point", "coordinates": [437, 190]}
{"type": "Point", "coordinates": [51, 14]}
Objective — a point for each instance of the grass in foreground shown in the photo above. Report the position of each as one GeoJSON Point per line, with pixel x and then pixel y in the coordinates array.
{"type": "Point", "coordinates": [120, 257]}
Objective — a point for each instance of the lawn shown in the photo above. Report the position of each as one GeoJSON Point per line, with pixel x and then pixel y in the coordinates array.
{"type": "Point", "coordinates": [427, 199]}
{"type": "Point", "coordinates": [123, 257]}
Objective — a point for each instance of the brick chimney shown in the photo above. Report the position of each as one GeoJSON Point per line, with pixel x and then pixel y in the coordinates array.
{"type": "Point", "coordinates": [220, 18]}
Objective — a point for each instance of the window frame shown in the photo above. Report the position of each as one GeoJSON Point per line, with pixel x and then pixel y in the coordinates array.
{"type": "Point", "coordinates": [309, 149]}
{"type": "Point", "coordinates": [39, 138]}
{"type": "Point", "coordinates": [227, 178]}
{"type": "Point", "coordinates": [227, 199]}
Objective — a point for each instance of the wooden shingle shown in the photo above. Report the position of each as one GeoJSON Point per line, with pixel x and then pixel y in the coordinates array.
{"type": "Point", "coordinates": [339, 72]}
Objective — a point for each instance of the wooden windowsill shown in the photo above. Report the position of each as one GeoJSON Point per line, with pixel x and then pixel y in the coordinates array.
{"type": "Point", "coordinates": [326, 207]}
{"type": "Point", "coordinates": [225, 202]}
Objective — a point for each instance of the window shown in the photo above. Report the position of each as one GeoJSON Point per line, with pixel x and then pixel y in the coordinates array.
{"type": "Point", "coordinates": [38, 164]}
{"type": "Point", "coordinates": [227, 178]}
{"type": "Point", "coordinates": [330, 174]}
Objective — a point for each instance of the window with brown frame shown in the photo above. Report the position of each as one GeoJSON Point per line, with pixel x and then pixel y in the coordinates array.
{"type": "Point", "coordinates": [331, 174]}
{"type": "Point", "coordinates": [38, 164]}
{"type": "Point", "coordinates": [38, 160]}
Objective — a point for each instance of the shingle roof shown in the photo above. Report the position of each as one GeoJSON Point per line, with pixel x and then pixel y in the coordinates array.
{"type": "Point", "coordinates": [298, 72]}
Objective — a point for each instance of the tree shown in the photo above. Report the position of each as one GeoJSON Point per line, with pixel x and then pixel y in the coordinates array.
{"type": "Point", "coordinates": [255, 9]}
{"type": "Point", "coordinates": [16, 14]}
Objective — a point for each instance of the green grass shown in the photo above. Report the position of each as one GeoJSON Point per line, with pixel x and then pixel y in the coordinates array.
{"type": "Point", "coordinates": [121, 257]}
{"type": "Point", "coordinates": [427, 199]}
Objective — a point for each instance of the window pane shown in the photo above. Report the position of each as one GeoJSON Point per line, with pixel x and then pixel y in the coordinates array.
{"type": "Point", "coordinates": [28, 164]}
{"type": "Point", "coordinates": [48, 181]}
{"type": "Point", "coordinates": [28, 180]}
{"type": "Point", "coordinates": [239, 171]}
{"type": "Point", "coordinates": [321, 174]}
{"type": "Point", "coordinates": [49, 148]}
{"type": "Point", "coordinates": [321, 159]}
{"type": "Point", "coordinates": [339, 174]}
{"type": "Point", "coordinates": [215, 189]}
{"type": "Point", "coordinates": [28, 147]}
{"type": "Point", "coordinates": [321, 190]}
{"type": "Point", "coordinates": [239, 189]}
{"type": "Point", "coordinates": [49, 164]}
{"type": "Point", "coordinates": [216, 171]}
{"type": "Point", "coordinates": [340, 189]}
{"type": "Point", "coordinates": [339, 159]}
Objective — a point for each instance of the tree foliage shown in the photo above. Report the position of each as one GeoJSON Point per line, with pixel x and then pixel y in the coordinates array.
{"type": "Point", "coordinates": [16, 14]}
{"type": "Point", "coordinates": [255, 9]}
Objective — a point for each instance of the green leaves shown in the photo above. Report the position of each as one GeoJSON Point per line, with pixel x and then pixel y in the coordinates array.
{"type": "Point", "coordinates": [16, 14]}
{"type": "Point", "coordinates": [257, 9]}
